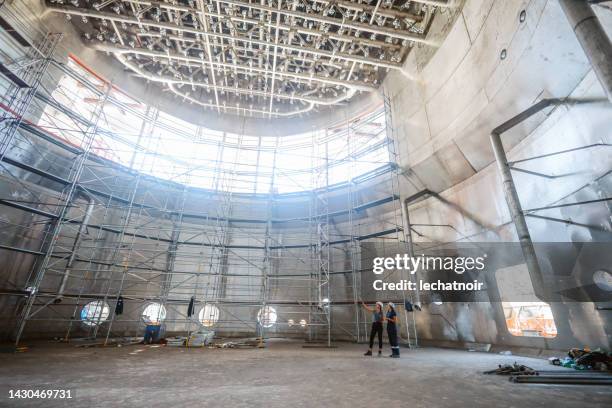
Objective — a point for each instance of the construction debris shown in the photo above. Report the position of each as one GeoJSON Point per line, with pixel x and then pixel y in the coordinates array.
{"type": "Point", "coordinates": [585, 359]}
{"type": "Point", "coordinates": [200, 338]}
{"type": "Point", "coordinates": [205, 337]}
{"type": "Point", "coordinates": [515, 369]}
{"type": "Point", "coordinates": [519, 373]}
{"type": "Point", "coordinates": [13, 349]}
{"type": "Point", "coordinates": [242, 343]}
{"type": "Point", "coordinates": [177, 341]}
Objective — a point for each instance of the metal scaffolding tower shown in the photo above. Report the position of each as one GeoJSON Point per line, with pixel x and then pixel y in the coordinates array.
{"type": "Point", "coordinates": [320, 308]}
{"type": "Point", "coordinates": [403, 234]}
{"type": "Point", "coordinates": [54, 252]}
{"type": "Point", "coordinates": [25, 75]}
{"type": "Point", "coordinates": [111, 228]}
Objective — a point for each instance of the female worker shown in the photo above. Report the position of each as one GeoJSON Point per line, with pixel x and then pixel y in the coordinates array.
{"type": "Point", "coordinates": [391, 319]}
{"type": "Point", "coordinates": [377, 326]}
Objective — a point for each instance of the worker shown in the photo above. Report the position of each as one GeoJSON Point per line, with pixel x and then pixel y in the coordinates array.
{"type": "Point", "coordinates": [377, 326]}
{"type": "Point", "coordinates": [391, 319]}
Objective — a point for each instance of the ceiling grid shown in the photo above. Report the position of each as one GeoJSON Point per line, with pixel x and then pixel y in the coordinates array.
{"type": "Point", "coordinates": [267, 58]}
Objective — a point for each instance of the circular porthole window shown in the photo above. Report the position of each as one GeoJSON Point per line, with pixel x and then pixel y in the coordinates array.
{"type": "Point", "coordinates": [95, 313]}
{"type": "Point", "coordinates": [267, 316]}
{"type": "Point", "coordinates": [154, 313]}
{"type": "Point", "coordinates": [603, 280]}
{"type": "Point", "coordinates": [209, 315]}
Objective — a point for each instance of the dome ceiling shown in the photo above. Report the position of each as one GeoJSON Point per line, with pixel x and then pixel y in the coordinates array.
{"type": "Point", "coordinates": [265, 59]}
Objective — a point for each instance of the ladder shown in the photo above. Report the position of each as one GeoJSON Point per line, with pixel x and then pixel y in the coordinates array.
{"type": "Point", "coordinates": [409, 316]}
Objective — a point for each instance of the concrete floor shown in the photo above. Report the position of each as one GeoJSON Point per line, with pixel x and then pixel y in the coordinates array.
{"type": "Point", "coordinates": [282, 375]}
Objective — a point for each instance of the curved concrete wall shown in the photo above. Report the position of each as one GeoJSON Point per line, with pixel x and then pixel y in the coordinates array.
{"type": "Point", "coordinates": [443, 116]}
{"type": "Point", "coordinates": [442, 121]}
{"type": "Point", "coordinates": [444, 107]}
{"type": "Point", "coordinates": [139, 257]}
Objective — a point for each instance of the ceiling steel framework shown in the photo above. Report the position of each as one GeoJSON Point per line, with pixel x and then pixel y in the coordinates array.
{"type": "Point", "coordinates": [267, 58]}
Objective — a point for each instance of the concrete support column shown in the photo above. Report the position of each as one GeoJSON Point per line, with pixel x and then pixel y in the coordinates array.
{"type": "Point", "coordinates": [592, 38]}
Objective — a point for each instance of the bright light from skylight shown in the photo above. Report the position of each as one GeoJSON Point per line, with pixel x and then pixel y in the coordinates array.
{"type": "Point", "coordinates": [173, 149]}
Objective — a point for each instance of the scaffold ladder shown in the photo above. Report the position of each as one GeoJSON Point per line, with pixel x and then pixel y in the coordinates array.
{"type": "Point", "coordinates": [394, 159]}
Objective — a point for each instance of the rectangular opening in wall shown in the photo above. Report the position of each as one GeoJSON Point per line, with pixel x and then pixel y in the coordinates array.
{"type": "Point", "coordinates": [529, 319]}
{"type": "Point", "coordinates": [525, 315]}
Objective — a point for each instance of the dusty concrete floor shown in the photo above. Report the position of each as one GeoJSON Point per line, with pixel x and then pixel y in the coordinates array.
{"type": "Point", "coordinates": [282, 375]}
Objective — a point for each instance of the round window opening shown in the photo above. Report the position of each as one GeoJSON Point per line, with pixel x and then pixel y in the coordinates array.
{"type": "Point", "coordinates": [603, 280]}
{"type": "Point", "coordinates": [209, 315]}
{"type": "Point", "coordinates": [94, 313]}
{"type": "Point", "coordinates": [154, 313]}
{"type": "Point", "coordinates": [267, 316]}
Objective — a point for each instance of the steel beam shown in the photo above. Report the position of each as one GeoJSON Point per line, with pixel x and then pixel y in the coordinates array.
{"type": "Point", "coordinates": [593, 39]}
{"type": "Point", "coordinates": [366, 28]}
{"type": "Point", "coordinates": [196, 62]}
{"type": "Point", "coordinates": [512, 198]}
{"type": "Point", "coordinates": [144, 22]}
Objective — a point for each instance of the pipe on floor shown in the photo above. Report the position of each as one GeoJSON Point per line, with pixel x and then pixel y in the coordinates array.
{"type": "Point", "coordinates": [575, 380]}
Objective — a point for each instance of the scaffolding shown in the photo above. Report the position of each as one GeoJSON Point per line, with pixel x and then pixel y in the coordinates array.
{"type": "Point", "coordinates": [320, 294]}
{"type": "Point", "coordinates": [113, 215]}
{"type": "Point", "coordinates": [404, 221]}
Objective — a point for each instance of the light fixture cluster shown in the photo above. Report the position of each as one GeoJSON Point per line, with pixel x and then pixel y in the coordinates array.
{"type": "Point", "coordinates": [302, 323]}
{"type": "Point", "coordinates": [271, 58]}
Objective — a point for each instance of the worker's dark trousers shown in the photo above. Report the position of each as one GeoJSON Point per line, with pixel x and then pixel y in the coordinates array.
{"type": "Point", "coordinates": [377, 328]}
{"type": "Point", "coordinates": [392, 334]}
